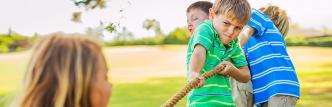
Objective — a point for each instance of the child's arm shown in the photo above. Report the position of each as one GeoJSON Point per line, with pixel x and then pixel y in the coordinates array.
{"type": "Point", "coordinates": [245, 34]}
{"type": "Point", "coordinates": [196, 64]}
{"type": "Point", "coordinates": [241, 74]}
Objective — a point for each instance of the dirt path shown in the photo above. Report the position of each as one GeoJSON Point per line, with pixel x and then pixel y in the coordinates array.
{"type": "Point", "coordinates": [311, 58]}
{"type": "Point", "coordinates": [131, 64]}
{"type": "Point", "coordinates": [137, 64]}
{"type": "Point", "coordinates": [134, 64]}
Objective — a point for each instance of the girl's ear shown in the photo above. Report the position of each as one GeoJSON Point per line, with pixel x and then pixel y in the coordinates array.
{"type": "Point", "coordinates": [212, 15]}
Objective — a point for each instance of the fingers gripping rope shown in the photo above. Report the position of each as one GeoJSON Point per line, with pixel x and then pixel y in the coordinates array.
{"type": "Point", "coordinates": [184, 91]}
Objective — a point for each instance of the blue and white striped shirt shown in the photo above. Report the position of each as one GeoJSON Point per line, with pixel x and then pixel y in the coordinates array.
{"type": "Point", "coordinates": [271, 69]}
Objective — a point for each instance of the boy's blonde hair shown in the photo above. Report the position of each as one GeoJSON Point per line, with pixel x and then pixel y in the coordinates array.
{"type": "Point", "coordinates": [279, 18]}
{"type": "Point", "coordinates": [62, 72]}
{"type": "Point", "coordinates": [238, 10]}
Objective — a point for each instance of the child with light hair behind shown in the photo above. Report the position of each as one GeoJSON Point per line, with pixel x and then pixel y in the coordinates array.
{"type": "Point", "coordinates": [274, 79]}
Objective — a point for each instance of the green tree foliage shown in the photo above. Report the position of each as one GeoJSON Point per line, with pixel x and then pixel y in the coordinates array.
{"type": "Point", "coordinates": [154, 25]}
{"type": "Point", "coordinates": [93, 4]}
{"type": "Point", "coordinates": [112, 27]}
{"type": "Point", "coordinates": [141, 41]}
{"type": "Point", "coordinates": [3, 48]}
{"type": "Point", "coordinates": [88, 5]}
{"type": "Point", "coordinates": [14, 42]}
{"type": "Point", "coordinates": [178, 36]}
{"type": "Point", "coordinates": [76, 17]}
{"type": "Point", "coordinates": [324, 41]}
{"type": "Point", "coordinates": [6, 40]}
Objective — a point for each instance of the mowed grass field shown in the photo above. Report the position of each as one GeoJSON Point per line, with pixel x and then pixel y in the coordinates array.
{"type": "Point", "coordinates": [147, 76]}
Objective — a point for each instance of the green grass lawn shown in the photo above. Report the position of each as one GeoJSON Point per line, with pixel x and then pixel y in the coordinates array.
{"type": "Point", "coordinates": [11, 75]}
{"type": "Point", "coordinates": [151, 93]}
{"type": "Point", "coordinates": [316, 89]}
{"type": "Point", "coordinates": [316, 86]}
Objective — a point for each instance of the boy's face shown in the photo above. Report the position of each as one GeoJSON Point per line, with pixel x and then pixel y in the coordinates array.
{"type": "Point", "coordinates": [227, 29]}
{"type": "Point", "coordinates": [194, 17]}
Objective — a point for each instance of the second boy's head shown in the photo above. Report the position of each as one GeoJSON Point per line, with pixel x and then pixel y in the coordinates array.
{"type": "Point", "coordinates": [278, 17]}
{"type": "Point", "coordinates": [229, 17]}
{"type": "Point", "coordinates": [196, 13]}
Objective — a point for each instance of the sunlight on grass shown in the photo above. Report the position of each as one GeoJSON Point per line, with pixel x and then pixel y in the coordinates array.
{"type": "Point", "coordinates": [11, 75]}
{"type": "Point", "coordinates": [316, 88]}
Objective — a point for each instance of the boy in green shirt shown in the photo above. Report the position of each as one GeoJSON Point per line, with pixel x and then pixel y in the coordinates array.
{"type": "Point", "coordinates": [215, 41]}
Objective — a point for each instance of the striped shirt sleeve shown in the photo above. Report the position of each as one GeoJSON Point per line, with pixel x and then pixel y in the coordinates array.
{"type": "Point", "coordinates": [203, 35]}
{"type": "Point", "coordinates": [258, 21]}
{"type": "Point", "coordinates": [238, 58]}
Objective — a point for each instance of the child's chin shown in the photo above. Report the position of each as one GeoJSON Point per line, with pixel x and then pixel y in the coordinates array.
{"type": "Point", "coordinates": [225, 42]}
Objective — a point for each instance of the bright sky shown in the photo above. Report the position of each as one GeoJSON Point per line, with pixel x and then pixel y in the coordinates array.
{"type": "Point", "coordinates": [46, 16]}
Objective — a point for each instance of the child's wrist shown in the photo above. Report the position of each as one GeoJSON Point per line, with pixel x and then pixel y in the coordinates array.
{"type": "Point", "coordinates": [193, 75]}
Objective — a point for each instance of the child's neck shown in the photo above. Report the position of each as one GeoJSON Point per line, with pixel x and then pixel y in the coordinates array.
{"type": "Point", "coordinates": [226, 46]}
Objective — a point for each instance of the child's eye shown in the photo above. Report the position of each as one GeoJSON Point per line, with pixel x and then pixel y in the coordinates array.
{"type": "Point", "coordinates": [226, 23]}
{"type": "Point", "coordinates": [238, 28]}
{"type": "Point", "coordinates": [195, 18]}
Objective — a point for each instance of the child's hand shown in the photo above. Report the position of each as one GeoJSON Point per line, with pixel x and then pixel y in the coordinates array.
{"type": "Point", "coordinates": [194, 75]}
{"type": "Point", "coordinates": [228, 67]}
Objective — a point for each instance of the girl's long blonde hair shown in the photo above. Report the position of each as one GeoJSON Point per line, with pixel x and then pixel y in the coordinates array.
{"type": "Point", "coordinates": [61, 72]}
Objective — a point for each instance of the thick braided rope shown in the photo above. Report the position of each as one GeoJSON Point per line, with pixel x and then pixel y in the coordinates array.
{"type": "Point", "coordinates": [191, 85]}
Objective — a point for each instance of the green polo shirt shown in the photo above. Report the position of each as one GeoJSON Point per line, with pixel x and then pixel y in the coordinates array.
{"type": "Point", "coordinates": [216, 92]}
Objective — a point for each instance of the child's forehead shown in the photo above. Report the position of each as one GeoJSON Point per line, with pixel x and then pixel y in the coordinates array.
{"type": "Point", "coordinates": [196, 10]}
{"type": "Point", "coordinates": [234, 21]}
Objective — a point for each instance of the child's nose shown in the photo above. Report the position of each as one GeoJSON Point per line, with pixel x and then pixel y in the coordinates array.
{"type": "Point", "coordinates": [190, 25]}
{"type": "Point", "coordinates": [230, 30]}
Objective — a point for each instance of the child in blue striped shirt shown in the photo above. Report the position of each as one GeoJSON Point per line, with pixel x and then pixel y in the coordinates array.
{"type": "Point", "coordinates": [274, 80]}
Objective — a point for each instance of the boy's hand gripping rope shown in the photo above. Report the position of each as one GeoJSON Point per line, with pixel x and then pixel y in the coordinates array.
{"type": "Point", "coordinates": [191, 85]}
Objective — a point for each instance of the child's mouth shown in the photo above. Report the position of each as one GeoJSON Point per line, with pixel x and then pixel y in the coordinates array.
{"type": "Point", "coordinates": [228, 37]}
{"type": "Point", "coordinates": [191, 31]}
